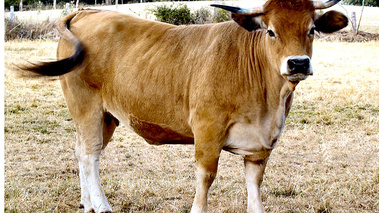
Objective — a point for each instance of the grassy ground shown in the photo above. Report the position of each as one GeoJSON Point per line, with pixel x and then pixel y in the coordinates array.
{"type": "Point", "coordinates": [327, 159]}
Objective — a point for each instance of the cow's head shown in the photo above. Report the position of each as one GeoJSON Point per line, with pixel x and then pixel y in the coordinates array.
{"type": "Point", "coordinates": [290, 26]}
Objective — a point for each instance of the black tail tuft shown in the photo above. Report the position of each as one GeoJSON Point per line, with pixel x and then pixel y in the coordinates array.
{"type": "Point", "coordinates": [51, 69]}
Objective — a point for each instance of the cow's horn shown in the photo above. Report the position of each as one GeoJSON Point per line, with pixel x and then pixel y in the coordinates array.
{"type": "Point", "coordinates": [242, 11]}
{"type": "Point", "coordinates": [323, 5]}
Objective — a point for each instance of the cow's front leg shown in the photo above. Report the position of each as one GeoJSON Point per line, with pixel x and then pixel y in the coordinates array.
{"type": "Point", "coordinates": [206, 169]}
{"type": "Point", "coordinates": [254, 170]}
{"type": "Point", "coordinates": [208, 146]}
{"type": "Point", "coordinates": [205, 174]}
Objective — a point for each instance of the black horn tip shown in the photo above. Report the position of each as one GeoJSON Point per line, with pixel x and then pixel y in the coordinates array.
{"type": "Point", "coordinates": [319, 4]}
{"type": "Point", "coordinates": [333, 2]}
{"type": "Point", "coordinates": [228, 8]}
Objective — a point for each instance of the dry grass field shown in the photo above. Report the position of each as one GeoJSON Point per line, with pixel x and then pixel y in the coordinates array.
{"type": "Point", "coordinates": [327, 159]}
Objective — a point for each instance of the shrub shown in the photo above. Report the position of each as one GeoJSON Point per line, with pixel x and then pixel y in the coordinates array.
{"type": "Point", "coordinates": [174, 15]}
{"type": "Point", "coordinates": [181, 14]}
{"type": "Point", "coordinates": [221, 15]}
{"type": "Point", "coordinates": [202, 16]}
{"type": "Point", "coordinates": [32, 31]}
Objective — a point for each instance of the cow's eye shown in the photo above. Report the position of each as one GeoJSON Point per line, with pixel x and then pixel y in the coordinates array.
{"type": "Point", "coordinates": [271, 33]}
{"type": "Point", "coordinates": [312, 31]}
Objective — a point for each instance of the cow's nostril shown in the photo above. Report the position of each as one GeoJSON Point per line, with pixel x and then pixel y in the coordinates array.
{"type": "Point", "coordinates": [296, 66]}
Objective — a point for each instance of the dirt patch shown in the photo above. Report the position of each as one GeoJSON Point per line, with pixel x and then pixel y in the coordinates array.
{"type": "Point", "coordinates": [348, 36]}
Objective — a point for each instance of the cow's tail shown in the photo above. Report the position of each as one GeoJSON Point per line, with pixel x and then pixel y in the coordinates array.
{"type": "Point", "coordinates": [60, 67]}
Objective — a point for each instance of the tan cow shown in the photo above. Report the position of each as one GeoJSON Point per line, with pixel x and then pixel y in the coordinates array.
{"type": "Point", "coordinates": [226, 86]}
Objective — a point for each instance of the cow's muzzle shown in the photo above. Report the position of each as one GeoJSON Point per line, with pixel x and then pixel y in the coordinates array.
{"type": "Point", "coordinates": [296, 68]}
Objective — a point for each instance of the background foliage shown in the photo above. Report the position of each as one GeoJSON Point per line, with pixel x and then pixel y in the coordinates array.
{"type": "Point", "coordinates": [181, 14]}
{"type": "Point", "coordinates": [374, 3]}
{"type": "Point", "coordinates": [174, 15]}
{"type": "Point", "coordinates": [21, 30]}
{"type": "Point", "coordinates": [32, 4]}
{"type": "Point", "coordinates": [178, 15]}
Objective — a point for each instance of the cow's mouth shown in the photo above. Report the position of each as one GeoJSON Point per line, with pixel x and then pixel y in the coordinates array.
{"type": "Point", "coordinates": [297, 77]}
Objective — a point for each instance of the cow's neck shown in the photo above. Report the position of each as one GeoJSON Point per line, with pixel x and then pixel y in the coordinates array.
{"type": "Point", "coordinates": [276, 93]}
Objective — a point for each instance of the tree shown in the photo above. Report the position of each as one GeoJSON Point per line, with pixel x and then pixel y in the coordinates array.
{"type": "Point", "coordinates": [8, 3]}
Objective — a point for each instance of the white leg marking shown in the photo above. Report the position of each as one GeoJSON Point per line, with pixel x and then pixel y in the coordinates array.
{"type": "Point", "coordinates": [203, 182]}
{"type": "Point", "coordinates": [89, 170]}
{"type": "Point", "coordinates": [254, 175]}
{"type": "Point", "coordinates": [85, 201]}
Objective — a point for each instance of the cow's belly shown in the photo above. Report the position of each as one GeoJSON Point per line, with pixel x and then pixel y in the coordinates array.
{"type": "Point", "coordinates": [152, 133]}
{"type": "Point", "coordinates": [158, 134]}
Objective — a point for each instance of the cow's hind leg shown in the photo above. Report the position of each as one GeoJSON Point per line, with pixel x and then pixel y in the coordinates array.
{"type": "Point", "coordinates": [94, 129]}
{"type": "Point", "coordinates": [88, 151]}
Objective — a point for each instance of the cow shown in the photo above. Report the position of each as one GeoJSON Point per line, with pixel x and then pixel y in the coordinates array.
{"type": "Point", "coordinates": [225, 86]}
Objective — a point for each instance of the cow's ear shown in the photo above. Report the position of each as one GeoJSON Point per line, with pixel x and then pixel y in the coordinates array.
{"type": "Point", "coordinates": [249, 22]}
{"type": "Point", "coordinates": [331, 21]}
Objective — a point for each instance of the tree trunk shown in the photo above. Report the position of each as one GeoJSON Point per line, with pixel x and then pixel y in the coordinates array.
{"type": "Point", "coordinates": [353, 22]}
{"type": "Point", "coordinates": [20, 9]}
{"type": "Point", "coordinates": [360, 18]}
